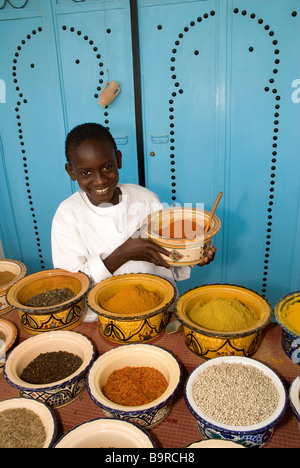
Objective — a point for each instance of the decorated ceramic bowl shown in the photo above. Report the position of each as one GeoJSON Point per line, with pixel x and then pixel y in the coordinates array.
{"type": "Point", "coordinates": [251, 436]}
{"type": "Point", "coordinates": [132, 327]}
{"type": "Point", "coordinates": [60, 392]}
{"type": "Point", "coordinates": [8, 335]}
{"type": "Point", "coordinates": [287, 314]}
{"type": "Point", "coordinates": [10, 272]}
{"type": "Point", "coordinates": [294, 397]}
{"type": "Point", "coordinates": [106, 433]}
{"type": "Point", "coordinates": [41, 410]}
{"type": "Point", "coordinates": [208, 343]}
{"type": "Point", "coordinates": [63, 316]}
{"type": "Point", "coordinates": [135, 355]}
{"type": "Point", "coordinates": [187, 243]}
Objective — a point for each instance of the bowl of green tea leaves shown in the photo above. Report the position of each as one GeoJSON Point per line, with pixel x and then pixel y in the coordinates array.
{"type": "Point", "coordinates": [50, 300]}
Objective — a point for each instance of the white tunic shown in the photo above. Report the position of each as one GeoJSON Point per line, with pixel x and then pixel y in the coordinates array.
{"type": "Point", "coordinates": [83, 234]}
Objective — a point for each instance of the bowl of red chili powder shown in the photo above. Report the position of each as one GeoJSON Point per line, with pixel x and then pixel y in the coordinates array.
{"type": "Point", "coordinates": [135, 383]}
{"type": "Point", "coordinates": [181, 231]}
{"type": "Point", "coordinates": [51, 367]}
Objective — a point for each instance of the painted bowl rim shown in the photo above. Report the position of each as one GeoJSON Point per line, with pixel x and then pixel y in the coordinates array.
{"type": "Point", "coordinates": [28, 403]}
{"type": "Point", "coordinates": [294, 392]}
{"type": "Point", "coordinates": [59, 383]}
{"type": "Point", "coordinates": [129, 318]}
{"type": "Point", "coordinates": [221, 334]}
{"type": "Point", "coordinates": [7, 324]}
{"type": "Point", "coordinates": [238, 430]}
{"type": "Point", "coordinates": [111, 421]}
{"type": "Point", "coordinates": [203, 237]}
{"type": "Point", "coordinates": [134, 410]}
{"type": "Point", "coordinates": [278, 318]}
{"type": "Point", "coordinates": [20, 275]}
{"type": "Point", "coordinates": [55, 308]}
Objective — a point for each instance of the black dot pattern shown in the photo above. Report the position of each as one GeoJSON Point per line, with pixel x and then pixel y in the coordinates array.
{"type": "Point", "coordinates": [269, 88]}
{"type": "Point", "coordinates": [22, 100]}
{"type": "Point", "coordinates": [178, 90]}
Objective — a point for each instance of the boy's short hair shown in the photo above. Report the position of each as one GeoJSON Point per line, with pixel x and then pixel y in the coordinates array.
{"type": "Point", "coordinates": [84, 132]}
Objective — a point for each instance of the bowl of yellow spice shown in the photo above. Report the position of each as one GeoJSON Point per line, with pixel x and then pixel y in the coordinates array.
{"type": "Point", "coordinates": [10, 272]}
{"type": "Point", "coordinates": [287, 314]}
{"type": "Point", "coordinates": [223, 320]}
{"type": "Point", "coordinates": [132, 308]}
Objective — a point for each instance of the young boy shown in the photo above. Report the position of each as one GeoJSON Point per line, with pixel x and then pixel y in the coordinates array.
{"type": "Point", "coordinates": [97, 229]}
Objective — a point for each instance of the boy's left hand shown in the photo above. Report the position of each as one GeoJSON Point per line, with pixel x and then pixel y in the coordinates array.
{"type": "Point", "coordinates": [209, 257]}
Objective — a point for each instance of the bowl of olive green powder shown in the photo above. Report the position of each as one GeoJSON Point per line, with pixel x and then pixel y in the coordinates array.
{"type": "Point", "coordinates": [51, 367]}
{"type": "Point", "coordinates": [223, 320]}
{"type": "Point", "coordinates": [26, 423]}
{"type": "Point", "coordinates": [236, 398]}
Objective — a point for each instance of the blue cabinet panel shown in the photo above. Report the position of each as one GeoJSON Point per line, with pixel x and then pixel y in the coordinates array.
{"type": "Point", "coordinates": [55, 58]}
{"type": "Point", "coordinates": [217, 79]}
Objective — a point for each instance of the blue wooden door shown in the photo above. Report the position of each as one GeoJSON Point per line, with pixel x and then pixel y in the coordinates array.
{"type": "Point", "coordinates": [221, 113]}
{"type": "Point", "coordinates": [55, 58]}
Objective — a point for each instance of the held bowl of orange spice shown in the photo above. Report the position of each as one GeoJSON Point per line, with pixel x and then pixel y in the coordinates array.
{"type": "Point", "coordinates": [135, 383]}
{"type": "Point", "coordinates": [182, 231]}
{"type": "Point", "coordinates": [132, 308]}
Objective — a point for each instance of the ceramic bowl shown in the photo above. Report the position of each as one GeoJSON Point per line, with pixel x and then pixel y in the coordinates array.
{"type": "Point", "coordinates": [290, 340]}
{"type": "Point", "coordinates": [210, 343]}
{"type": "Point", "coordinates": [251, 436]}
{"type": "Point", "coordinates": [9, 331]}
{"type": "Point", "coordinates": [135, 355]}
{"type": "Point", "coordinates": [41, 410]}
{"type": "Point", "coordinates": [294, 397]}
{"type": "Point", "coordinates": [17, 269]}
{"type": "Point", "coordinates": [64, 316]}
{"type": "Point", "coordinates": [57, 393]}
{"type": "Point", "coordinates": [106, 433]}
{"type": "Point", "coordinates": [132, 328]}
{"type": "Point", "coordinates": [186, 251]}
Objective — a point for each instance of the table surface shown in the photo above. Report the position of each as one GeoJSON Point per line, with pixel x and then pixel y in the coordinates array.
{"type": "Point", "coordinates": [179, 429]}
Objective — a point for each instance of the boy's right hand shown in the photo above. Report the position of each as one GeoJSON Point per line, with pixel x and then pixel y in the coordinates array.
{"type": "Point", "coordinates": [137, 248]}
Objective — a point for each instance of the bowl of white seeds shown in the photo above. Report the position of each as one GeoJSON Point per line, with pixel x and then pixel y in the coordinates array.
{"type": "Point", "coordinates": [236, 398]}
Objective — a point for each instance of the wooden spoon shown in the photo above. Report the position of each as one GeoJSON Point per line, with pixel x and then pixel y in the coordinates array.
{"type": "Point", "coordinates": [213, 212]}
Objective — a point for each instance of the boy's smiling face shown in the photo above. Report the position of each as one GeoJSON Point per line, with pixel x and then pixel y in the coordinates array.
{"type": "Point", "coordinates": [94, 164]}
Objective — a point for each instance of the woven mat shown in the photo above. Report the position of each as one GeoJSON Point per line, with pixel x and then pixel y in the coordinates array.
{"type": "Point", "coordinates": [180, 428]}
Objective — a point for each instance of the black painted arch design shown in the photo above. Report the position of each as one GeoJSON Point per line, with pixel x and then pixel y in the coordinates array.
{"type": "Point", "coordinates": [269, 87]}
{"type": "Point", "coordinates": [22, 100]}
{"type": "Point", "coordinates": [95, 49]}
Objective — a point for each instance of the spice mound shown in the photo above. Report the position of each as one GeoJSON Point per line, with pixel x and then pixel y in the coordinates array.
{"type": "Point", "coordinates": [293, 317]}
{"type": "Point", "coordinates": [181, 229]}
{"type": "Point", "coordinates": [235, 394]}
{"type": "Point", "coordinates": [132, 299]}
{"type": "Point", "coordinates": [6, 277]}
{"type": "Point", "coordinates": [50, 298]}
{"type": "Point", "coordinates": [222, 314]}
{"type": "Point", "coordinates": [21, 428]}
{"type": "Point", "coordinates": [134, 386]}
{"type": "Point", "coordinates": [51, 367]}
